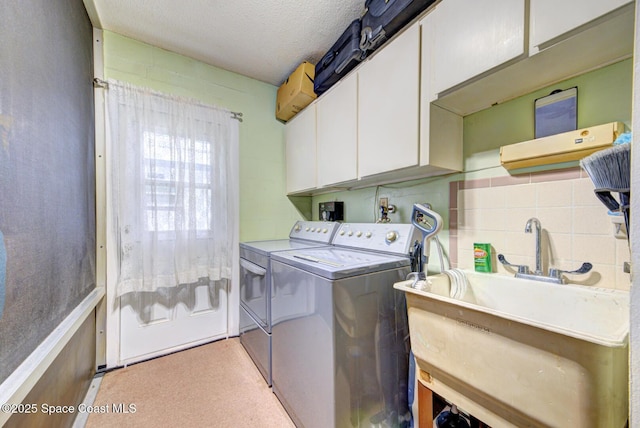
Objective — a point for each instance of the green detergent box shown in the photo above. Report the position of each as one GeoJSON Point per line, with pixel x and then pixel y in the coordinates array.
{"type": "Point", "coordinates": [482, 257]}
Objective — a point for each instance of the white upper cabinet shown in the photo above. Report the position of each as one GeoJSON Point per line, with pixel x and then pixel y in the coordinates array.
{"type": "Point", "coordinates": [399, 114]}
{"type": "Point", "coordinates": [388, 104]}
{"type": "Point", "coordinates": [337, 133]}
{"type": "Point", "coordinates": [553, 19]}
{"type": "Point", "coordinates": [570, 38]}
{"type": "Point", "coordinates": [300, 152]}
{"type": "Point", "coordinates": [463, 39]}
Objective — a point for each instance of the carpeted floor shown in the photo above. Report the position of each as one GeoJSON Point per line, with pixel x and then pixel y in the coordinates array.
{"type": "Point", "coordinates": [214, 385]}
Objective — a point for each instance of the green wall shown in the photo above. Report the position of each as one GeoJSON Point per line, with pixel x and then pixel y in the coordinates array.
{"type": "Point", "coordinates": [604, 95]}
{"type": "Point", "coordinates": [265, 211]}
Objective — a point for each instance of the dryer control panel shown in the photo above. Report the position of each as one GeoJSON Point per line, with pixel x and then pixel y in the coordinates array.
{"type": "Point", "coordinates": [395, 238]}
{"type": "Point", "coordinates": [317, 231]}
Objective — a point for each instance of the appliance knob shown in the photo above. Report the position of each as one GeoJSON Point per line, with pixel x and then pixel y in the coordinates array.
{"type": "Point", "coordinates": [368, 234]}
{"type": "Point", "coordinates": [350, 233]}
{"type": "Point", "coordinates": [297, 228]}
{"type": "Point", "coordinates": [306, 229]}
{"type": "Point", "coordinates": [319, 230]}
{"type": "Point", "coordinates": [342, 233]}
{"type": "Point", "coordinates": [391, 237]}
{"type": "Point", "coordinates": [358, 234]}
{"type": "Point", "coordinates": [313, 229]}
{"type": "Point", "coordinates": [325, 230]}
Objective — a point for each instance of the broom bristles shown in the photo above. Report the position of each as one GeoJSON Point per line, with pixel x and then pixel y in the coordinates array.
{"type": "Point", "coordinates": [609, 168]}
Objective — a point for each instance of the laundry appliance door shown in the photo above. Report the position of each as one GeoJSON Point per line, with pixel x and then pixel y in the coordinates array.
{"type": "Point", "coordinates": [257, 343]}
{"type": "Point", "coordinates": [255, 292]}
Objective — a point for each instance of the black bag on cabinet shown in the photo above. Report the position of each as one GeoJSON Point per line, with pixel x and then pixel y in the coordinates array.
{"type": "Point", "coordinates": [383, 18]}
{"type": "Point", "coordinates": [343, 56]}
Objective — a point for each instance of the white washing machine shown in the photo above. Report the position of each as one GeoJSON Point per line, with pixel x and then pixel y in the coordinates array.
{"type": "Point", "coordinates": [340, 356]}
{"type": "Point", "coordinates": [256, 293]}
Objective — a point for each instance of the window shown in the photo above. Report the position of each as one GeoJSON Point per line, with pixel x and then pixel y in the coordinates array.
{"type": "Point", "coordinates": [168, 161]}
{"type": "Point", "coordinates": [175, 173]}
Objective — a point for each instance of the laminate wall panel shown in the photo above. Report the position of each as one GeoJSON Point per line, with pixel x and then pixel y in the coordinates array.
{"type": "Point", "coordinates": [47, 185]}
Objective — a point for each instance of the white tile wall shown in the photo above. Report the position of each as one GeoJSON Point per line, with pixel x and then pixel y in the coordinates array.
{"type": "Point", "coordinates": [576, 227]}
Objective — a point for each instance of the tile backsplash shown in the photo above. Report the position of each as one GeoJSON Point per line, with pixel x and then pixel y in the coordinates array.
{"type": "Point", "coordinates": [576, 227]}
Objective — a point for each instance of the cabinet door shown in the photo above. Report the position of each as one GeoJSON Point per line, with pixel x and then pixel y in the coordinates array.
{"type": "Point", "coordinates": [388, 106]}
{"type": "Point", "coordinates": [463, 39]}
{"type": "Point", "coordinates": [337, 131]}
{"type": "Point", "coordinates": [551, 19]}
{"type": "Point", "coordinates": [300, 141]}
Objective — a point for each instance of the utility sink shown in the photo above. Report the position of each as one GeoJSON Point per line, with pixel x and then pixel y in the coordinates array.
{"type": "Point", "coordinates": [520, 352]}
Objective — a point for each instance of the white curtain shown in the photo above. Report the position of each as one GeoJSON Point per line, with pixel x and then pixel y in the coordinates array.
{"type": "Point", "coordinates": [174, 180]}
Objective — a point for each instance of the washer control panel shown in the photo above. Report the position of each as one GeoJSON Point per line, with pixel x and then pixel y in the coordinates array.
{"type": "Point", "coordinates": [318, 231]}
{"type": "Point", "coordinates": [397, 238]}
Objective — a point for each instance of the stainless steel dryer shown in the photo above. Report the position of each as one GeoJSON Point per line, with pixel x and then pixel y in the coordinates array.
{"type": "Point", "coordinates": [255, 286]}
{"type": "Point", "coordinates": [340, 356]}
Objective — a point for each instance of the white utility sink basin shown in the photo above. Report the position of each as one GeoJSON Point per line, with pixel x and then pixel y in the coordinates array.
{"type": "Point", "coordinates": [524, 353]}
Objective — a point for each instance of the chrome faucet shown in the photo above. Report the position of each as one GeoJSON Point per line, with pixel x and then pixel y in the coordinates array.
{"type": "Point", "coordinates": [527, 229]}
{"type": "Point", "coordinates": [555, 275]}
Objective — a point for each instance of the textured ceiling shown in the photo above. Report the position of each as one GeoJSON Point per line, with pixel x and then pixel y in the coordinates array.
{"type": "Point", "coordinates": [262, 39]}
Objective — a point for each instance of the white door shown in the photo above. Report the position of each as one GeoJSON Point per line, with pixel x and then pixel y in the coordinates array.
{"type": "Point", "coordinates": [337, 133]}
{"type": "Point", "coordinates": [300, 150]}
{"type": "Point", "coordinates": [153, 324]}
{"type": "Point", "coordinates": [464, 39]}
{"type": "Point", "coordinates": [551, 19]}
{"type": "Point", "coordinates": [140, 326]}
{"type": "Point", "coordinates": [388, 106]}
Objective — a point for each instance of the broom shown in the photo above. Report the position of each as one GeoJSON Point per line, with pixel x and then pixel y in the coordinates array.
{"type": "Point", "coordinates": [610, 171]}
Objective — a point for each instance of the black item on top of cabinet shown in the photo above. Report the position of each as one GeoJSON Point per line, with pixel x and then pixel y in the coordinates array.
{"type": "Point", "coordinates": [383, 18]}
{"type": "Point", "coordinates": [343, 56]}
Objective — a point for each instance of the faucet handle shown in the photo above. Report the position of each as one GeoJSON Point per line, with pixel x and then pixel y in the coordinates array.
{"type": "Point", "coordinates": [557, 273]}
{"type": "Point", "coordinates": [521, 268]}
